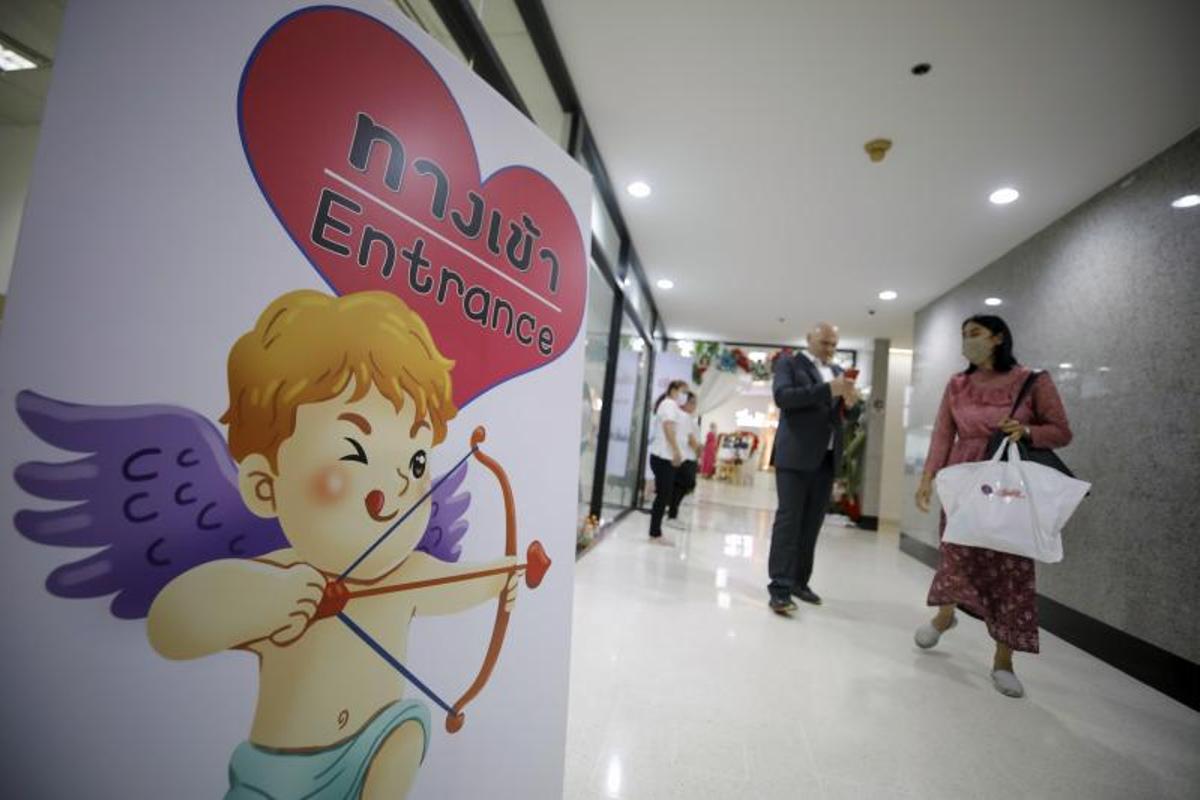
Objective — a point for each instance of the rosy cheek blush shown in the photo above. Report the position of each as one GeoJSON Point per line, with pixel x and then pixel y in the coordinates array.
{"type": "Point", "coordinates": [329, 486]}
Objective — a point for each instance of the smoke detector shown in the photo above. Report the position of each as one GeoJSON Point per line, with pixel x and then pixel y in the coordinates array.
{"type": "Point", "coordinates": [877, 149]}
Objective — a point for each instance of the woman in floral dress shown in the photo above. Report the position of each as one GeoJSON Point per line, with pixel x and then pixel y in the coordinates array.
{"type": "Point", "coordinates": [998, 588]}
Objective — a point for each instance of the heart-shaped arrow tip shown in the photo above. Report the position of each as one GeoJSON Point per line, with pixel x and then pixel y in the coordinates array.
{"type": "Point", "coordinates": [537, 563]}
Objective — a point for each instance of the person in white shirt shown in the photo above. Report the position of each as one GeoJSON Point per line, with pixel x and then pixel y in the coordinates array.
{"type": "Point", "coordinates": [688, 436]}
{"type": "Point", "coordinates": [666, 452]}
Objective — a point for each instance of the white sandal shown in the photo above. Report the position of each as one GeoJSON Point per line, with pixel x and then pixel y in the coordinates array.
{"type": "Point", "coordinates": [928, 636]}
{"type": "Point", "coordinates": [1006, 683]}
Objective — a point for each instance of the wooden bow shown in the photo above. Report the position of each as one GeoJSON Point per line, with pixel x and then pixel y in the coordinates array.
{"type": "Point", "coordinates": [337, 594]}
{"type": "Point", "coordinates": [455, 719]}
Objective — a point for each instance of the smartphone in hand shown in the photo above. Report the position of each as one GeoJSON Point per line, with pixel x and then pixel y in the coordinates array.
{"type": "Point", "coordinates": [850, 375]}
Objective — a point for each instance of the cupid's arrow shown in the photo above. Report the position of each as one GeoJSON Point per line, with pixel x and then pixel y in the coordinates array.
{"type": "Point", "coordinates": [337, 593]}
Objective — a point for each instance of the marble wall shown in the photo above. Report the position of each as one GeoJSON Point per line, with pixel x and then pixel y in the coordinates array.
{"type": "Point", "coordinates": [1107, 299]}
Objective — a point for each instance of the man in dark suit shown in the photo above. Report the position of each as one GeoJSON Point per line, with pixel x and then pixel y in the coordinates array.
{"type": "Point", "coordinates": [813, 397]}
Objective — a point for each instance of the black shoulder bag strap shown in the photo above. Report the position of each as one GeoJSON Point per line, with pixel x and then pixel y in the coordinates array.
{"type": "Point", "coordinates": [997, 439]}
{"type": "Point", "coordinates": [1025, 389]}
{"type": "Point", "coordinates": [1047, 458]}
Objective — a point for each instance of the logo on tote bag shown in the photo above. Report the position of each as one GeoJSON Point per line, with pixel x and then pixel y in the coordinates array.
{"type": "Point", "coordinates": [1005, 494]}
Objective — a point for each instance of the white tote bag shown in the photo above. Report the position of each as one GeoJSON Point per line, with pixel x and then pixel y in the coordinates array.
{"type": "Point", "coordinates": [1011, 505]}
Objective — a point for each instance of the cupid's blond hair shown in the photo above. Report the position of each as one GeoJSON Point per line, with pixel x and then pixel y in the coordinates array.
{"type": "Point", "coordinates": [308, 346]}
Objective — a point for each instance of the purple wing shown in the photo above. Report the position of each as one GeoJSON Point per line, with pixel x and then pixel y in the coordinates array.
{"type": "Point", "coordinates": [157, 490]}
{"type": "Point", "coordinates": [443, 536]}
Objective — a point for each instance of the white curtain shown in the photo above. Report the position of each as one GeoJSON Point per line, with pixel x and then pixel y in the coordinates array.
{"type": "Point", "coordinates": [715, 390]}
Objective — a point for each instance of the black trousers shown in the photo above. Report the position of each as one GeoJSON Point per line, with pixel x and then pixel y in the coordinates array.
{"type": "Point", "coordinates": [685, 483]}
{"type": "Point", "coordinates": [803, 498]}
{"type": "Point", "coordinates": [664, 489]}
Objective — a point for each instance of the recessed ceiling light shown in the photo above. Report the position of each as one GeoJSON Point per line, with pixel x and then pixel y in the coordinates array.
{"type": "Point", "coordinates": [12, 60]}
{"type": "Point", "coordinates": [1104, 369]}
{"type": "Point", "coordinates": [638, 189]}
{"type": "Point", "coordinates": [1066, 365]}
{"type": "Point", "coordinates": [1004, 196]}
{"type": "Point", "coordinates": [993, 301]}
{"type": "Point", "coordinates": [665, 283]}
{"type": "Point", "coordinates": [1187, 201]}
{"type": "Point", "coordinates": [888, 295]}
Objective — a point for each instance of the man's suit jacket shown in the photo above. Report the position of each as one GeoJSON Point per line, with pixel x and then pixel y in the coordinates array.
{"type": "Point", "coordinates": [808, 415]}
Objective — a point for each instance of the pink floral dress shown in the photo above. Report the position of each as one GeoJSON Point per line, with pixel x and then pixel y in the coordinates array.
{"type": "Point", "coordinates": [998, 588]}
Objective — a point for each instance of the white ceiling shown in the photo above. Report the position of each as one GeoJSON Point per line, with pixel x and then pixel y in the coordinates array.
{"type": "Point", "coordinates": [748, 119]}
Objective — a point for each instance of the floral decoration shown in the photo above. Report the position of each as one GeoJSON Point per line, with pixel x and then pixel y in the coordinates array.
{"type": "Point", "coordinates": [714, 355]}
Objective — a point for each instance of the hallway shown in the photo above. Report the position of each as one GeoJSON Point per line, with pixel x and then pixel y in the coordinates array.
{"type": "Point", "coordinates": [684, 685]}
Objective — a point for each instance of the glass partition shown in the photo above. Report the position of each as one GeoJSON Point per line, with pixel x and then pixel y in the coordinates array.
{"type": "Point", "coordinates": [633, 292]}
{"type": "Point", "coordinates": [595, 360]}
{"type": "Point", "coordinates": [621, 471]}
{"type": "Point", "coordinates": [605, 233]}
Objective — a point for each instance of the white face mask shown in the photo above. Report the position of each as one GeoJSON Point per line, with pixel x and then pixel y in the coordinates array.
{"type": "Point", "coordinates": [977, 349]}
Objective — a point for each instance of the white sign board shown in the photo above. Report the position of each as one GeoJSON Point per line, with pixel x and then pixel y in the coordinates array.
{"type": "Point", "coordinates": [288, 386]}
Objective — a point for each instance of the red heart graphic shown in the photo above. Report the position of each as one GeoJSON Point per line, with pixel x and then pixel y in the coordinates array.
{"type": "Point", "coordinates": [364, 155]}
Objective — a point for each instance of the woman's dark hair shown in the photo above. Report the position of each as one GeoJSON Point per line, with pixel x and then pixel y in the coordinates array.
{"type": "Point", "coordinates": [1002, 357]}
{"type": "Point", "coordinates": [672, 386]}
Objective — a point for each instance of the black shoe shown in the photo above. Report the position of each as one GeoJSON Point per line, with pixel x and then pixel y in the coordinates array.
{"type": "Point", "coordinates": [782, 605]}
{"type": "Point", "coordinates": [807, 595]}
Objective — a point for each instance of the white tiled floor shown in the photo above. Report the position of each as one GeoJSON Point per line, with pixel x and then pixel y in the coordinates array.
{"type": "Point", "coordinates": [684, 685]}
